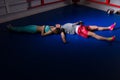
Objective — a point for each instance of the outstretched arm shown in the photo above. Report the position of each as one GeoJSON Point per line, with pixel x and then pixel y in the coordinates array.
{"type": "Point", "coordinates": [78, 23]}
{"type": "Point", "coordinates": [63, 37]}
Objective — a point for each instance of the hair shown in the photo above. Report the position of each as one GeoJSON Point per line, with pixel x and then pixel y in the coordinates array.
{"type": "Point", "coordinates": [59, 30]}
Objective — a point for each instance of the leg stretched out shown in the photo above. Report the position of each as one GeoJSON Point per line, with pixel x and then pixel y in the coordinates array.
{"type": "Point", "coordinates": [111, 27]}
{"type": "Point", "coordinates": [92, 34]}
{"type": "Point", "coordinates": [28, 28]}
{"type": "Point", "coordinates": [87, 31]}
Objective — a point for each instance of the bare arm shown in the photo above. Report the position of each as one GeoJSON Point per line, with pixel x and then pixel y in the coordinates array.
{"type": "Point", "coordinates": [63, 37]}
{"type": "Point", "coordinates": [78, 23]}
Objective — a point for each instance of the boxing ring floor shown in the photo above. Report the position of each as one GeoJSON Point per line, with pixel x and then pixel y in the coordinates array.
{"type": "Point", "coordinates": [32, 57]}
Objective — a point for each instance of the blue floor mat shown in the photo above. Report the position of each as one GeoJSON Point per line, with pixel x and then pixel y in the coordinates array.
{"type": "Point", "coordinates": [32, 57]}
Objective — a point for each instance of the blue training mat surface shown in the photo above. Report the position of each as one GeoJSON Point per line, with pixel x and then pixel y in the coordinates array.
{"type": "Point", "coordinates": [32, 57]}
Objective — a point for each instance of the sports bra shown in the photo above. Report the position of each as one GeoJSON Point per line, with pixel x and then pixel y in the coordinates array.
{"type": "Point", "coordinates": [47, 28]}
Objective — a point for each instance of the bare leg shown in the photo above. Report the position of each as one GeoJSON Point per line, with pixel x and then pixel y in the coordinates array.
{"type": "Point", "coordinates": [111, 27]}
{"type": "Point", "coordinates": [92, 34]}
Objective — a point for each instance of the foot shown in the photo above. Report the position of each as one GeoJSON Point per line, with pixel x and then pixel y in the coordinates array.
{"type": "Point", "coordinates": [111, 38]}
{"type": "Point", "coordinates": [112, 26]}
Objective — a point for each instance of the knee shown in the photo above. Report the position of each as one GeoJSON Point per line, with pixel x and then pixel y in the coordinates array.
{"type": "Point", "coordinates": [94, 35]}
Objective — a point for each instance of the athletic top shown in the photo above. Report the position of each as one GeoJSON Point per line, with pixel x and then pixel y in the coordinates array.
{"type": "Point", "coordinates": [69, 28]}
{"type": "Point", "coordinates": [47, 28]}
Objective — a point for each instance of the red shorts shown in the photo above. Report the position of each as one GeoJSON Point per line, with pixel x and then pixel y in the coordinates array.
{"type": "Point", "coordinates": [83, 31]}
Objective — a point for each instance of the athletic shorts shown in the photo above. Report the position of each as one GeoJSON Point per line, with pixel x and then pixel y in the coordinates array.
{"type": "Point", "coordinates": [82, 31]}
